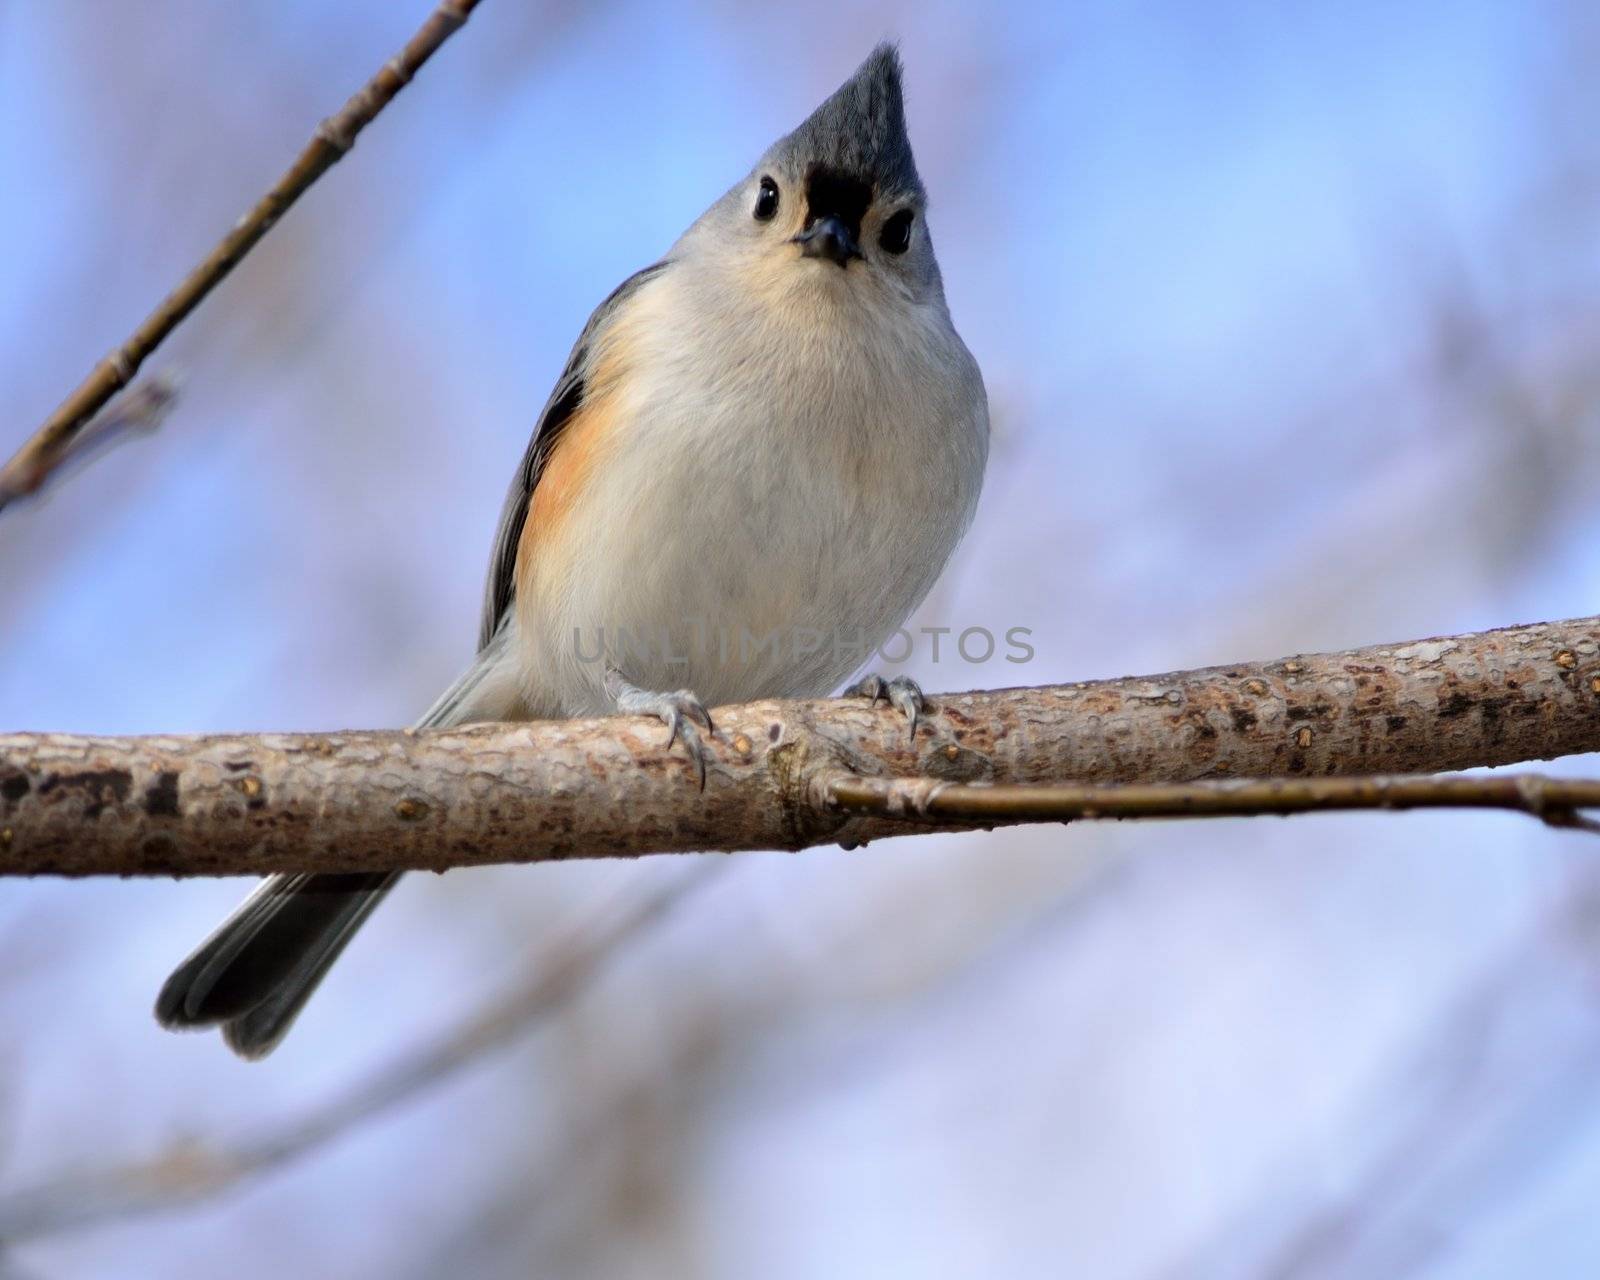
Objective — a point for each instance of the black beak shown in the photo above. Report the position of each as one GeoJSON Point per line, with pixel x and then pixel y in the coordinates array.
{"type": "Point", "coordinates": [828, 238]}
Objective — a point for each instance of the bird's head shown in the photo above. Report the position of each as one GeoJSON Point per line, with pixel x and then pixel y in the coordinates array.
{"type": "Point", "coordinates": [838, 200]}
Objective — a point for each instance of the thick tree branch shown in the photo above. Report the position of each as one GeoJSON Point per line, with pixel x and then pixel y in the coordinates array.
{"type": "Point", "coordinates": [44, 451]}
{"type": "Point", "coordinates": [235, 805]}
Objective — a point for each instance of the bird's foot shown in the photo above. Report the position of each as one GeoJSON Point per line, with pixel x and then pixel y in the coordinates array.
{"type": "Point", "coordinates": [682, 712]}
{"type": "Point", "coordinates": [902, 692]}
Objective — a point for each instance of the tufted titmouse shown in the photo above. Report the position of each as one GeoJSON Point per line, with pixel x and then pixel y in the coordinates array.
{"type": "Point", "coordinates": [770, 440]}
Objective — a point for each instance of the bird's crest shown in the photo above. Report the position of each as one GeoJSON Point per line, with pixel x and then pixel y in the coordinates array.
{"type": "Point", "coordinates": [860, 130]}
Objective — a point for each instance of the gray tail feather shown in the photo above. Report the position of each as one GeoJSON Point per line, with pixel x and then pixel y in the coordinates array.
{"type": "Point", "coordinates": [254, 974]}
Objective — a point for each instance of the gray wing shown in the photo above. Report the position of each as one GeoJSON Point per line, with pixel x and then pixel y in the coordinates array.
{"type": "Point", "coordinates": [558, 411]}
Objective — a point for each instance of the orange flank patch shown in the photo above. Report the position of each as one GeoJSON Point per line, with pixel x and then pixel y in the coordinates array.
{"type": "Point", "coordinates": [562, 484]}
{"type": "Point", "coordinates": [583, 445]}
{"type": "Point", "coordinates": [586, 443]}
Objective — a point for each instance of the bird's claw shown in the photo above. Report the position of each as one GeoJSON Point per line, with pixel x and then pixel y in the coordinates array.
{"type": "Point", "coordinates": [682, 712]}
{"type": "Point", "coordinates": [903, 693]}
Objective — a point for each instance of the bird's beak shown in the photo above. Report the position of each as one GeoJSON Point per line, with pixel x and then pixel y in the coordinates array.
{"type": "Point", "coordinates": [828, 238]}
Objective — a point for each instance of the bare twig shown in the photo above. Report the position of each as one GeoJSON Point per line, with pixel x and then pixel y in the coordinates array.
{"type": "Point", "coordinates": [1556, 801]}
{"type": "Point", "coordinates": [249, 804]}
{"type": "Point", "coordinates": [335, 136]}
{"type": "Point", "coordinates": [192, 1171]}
{"type": "Point", "coordinates": [139, 412]}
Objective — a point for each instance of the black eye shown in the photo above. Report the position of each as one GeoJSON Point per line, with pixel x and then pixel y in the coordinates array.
{"type": "Point", "coordinates": [896, 234]}
{"type": "Point", "coordinates": [766, 200]}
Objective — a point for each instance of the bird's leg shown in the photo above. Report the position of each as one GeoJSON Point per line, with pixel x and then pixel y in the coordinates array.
{"type": "Point", "coordinates": [681, 712]}
{"type": "Point", "coordinates": [902, 692]}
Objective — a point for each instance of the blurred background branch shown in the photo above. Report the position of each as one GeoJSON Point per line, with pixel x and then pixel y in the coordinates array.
{"type": "Point", "coordinates": [194, 1171]}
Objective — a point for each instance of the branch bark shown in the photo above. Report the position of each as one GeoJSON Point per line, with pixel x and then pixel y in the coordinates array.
{"type": "Point", "coordinates": [367, 801]}
{"type": "Point", "coordinates": [47, 447]}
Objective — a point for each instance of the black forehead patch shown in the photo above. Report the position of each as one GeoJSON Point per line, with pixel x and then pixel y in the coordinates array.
{"type": "Point", "coordinates": [833, 193]}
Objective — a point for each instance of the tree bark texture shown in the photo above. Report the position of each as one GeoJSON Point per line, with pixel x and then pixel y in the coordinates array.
{"type": "Point", "coordinates": [362, 801]}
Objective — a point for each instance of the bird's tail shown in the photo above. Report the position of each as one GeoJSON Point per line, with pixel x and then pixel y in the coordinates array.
{"type": "Point", "coordinates": [254, 974]}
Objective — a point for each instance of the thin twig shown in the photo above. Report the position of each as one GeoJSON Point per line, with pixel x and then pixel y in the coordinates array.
{"type": "Point", "coordinates": [193, 1171]}
{"type": "Point", "coordinates": [1556, 801]}
{"type": "Point", "coordinates": [44, 451]}
{"type": "Point", "coordinates": [139, 412]}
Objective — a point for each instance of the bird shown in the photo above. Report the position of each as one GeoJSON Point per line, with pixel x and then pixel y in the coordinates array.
{"type": "Point", "coordinates": [773, 430]}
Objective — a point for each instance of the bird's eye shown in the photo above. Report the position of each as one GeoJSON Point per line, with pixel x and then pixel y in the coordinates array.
{"type": "Point", "coordinates": [896, 234]}
{"type": "Point", "coordinates": [766, 200]}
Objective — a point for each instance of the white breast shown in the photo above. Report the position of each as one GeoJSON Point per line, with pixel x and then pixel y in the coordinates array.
{"type": "Point", "coordinates": [794, 462]}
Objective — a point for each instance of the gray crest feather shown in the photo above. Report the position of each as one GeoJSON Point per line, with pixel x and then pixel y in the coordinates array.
{"type": "Point", "coordinates": [861, 129]}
